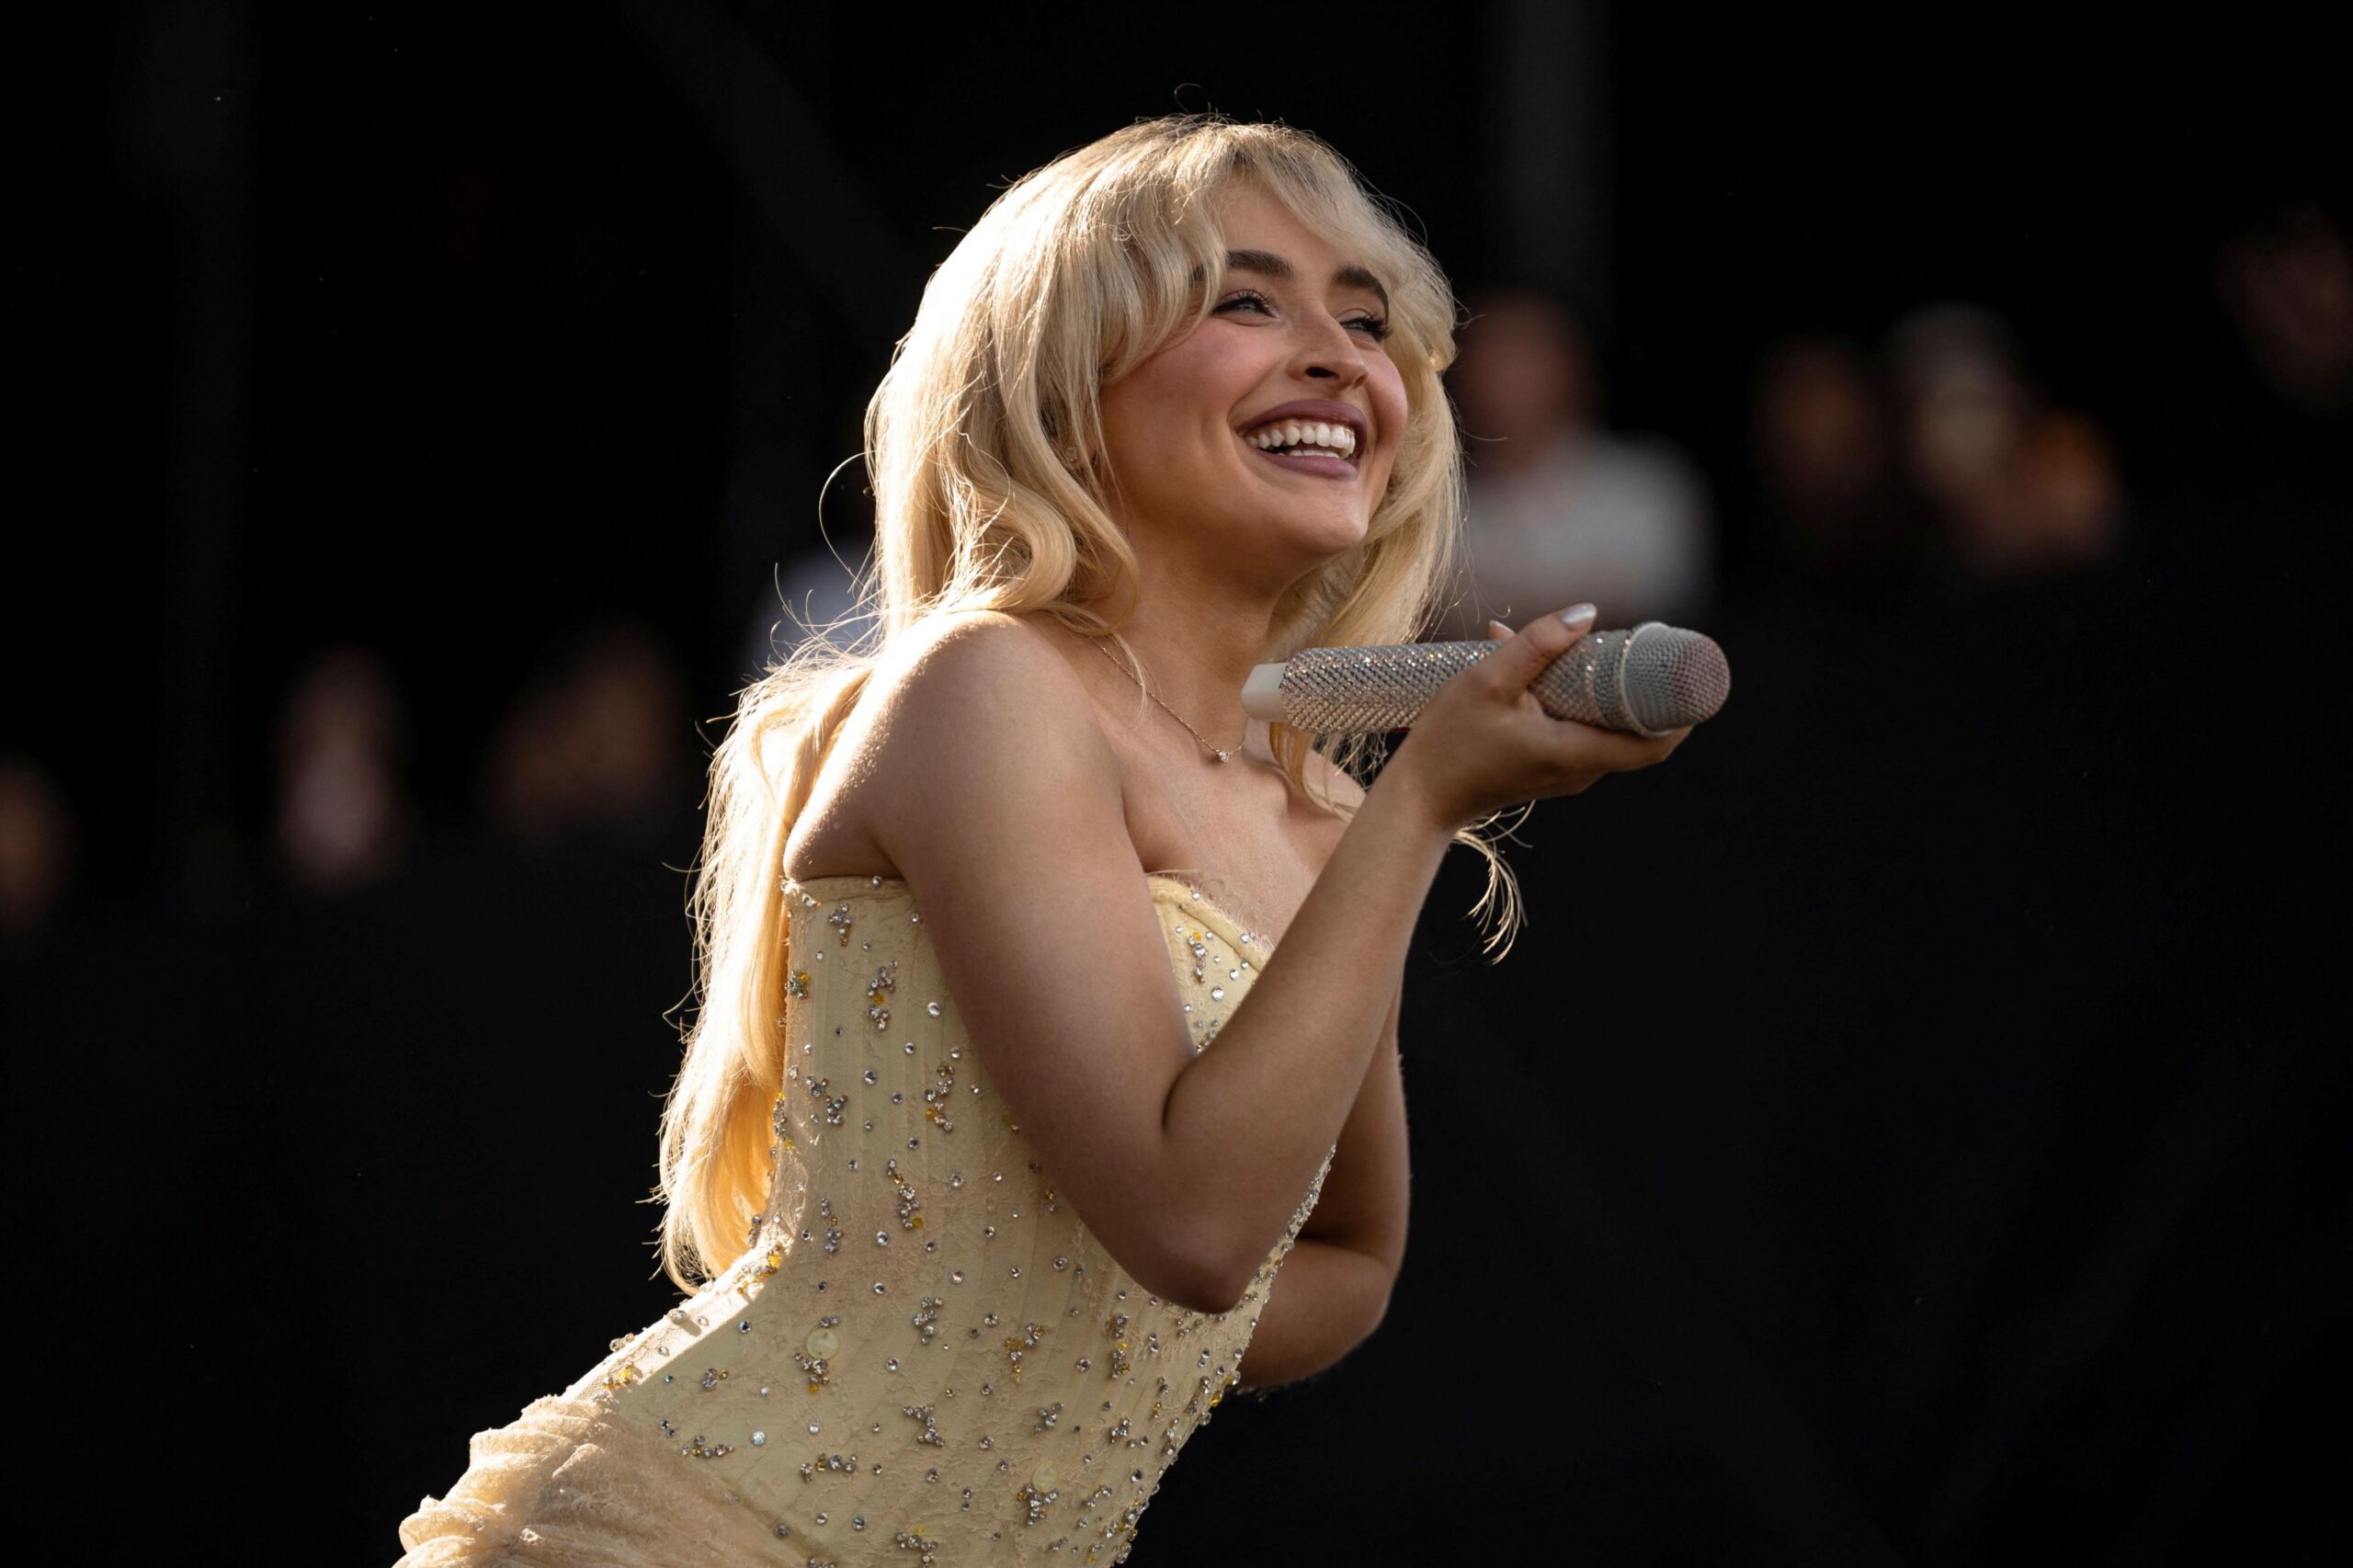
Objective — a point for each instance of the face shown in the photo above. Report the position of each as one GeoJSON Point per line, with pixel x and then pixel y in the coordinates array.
{"type": "Point", "coordinates": [1293, 340]}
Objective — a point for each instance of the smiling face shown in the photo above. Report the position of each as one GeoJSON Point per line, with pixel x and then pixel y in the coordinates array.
{"type": "Point", "coordinates": [1200, 437]}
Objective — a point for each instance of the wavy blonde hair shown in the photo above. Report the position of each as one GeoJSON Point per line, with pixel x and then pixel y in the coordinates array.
{"type": "Point", "coordinates": [1076, 276]}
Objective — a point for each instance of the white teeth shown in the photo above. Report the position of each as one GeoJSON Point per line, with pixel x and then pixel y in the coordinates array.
{"type": "Point", "coordinates": [1334, 441]}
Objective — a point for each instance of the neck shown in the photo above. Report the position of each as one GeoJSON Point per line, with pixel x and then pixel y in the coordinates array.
{"type": "Point", "coordinates": [1199, 633]}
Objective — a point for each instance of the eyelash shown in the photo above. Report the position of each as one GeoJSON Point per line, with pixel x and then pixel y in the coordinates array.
{"type": "Point", "coordinates": [1377, 326]}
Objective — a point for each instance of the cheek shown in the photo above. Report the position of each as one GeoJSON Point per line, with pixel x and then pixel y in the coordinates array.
{"type": "Point", "coordinates": [1390, 407]}
{"type": "Point", "coordinates": [1136, 427]}
{"type": "Point", "coordinates": [1165, 405]}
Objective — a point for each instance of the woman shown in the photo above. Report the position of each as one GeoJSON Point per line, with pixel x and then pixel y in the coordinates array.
{"type": "Point", "coordinates": [977, 1227]}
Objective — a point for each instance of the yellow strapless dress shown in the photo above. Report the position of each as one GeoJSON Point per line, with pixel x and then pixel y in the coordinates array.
{"type": "Point", "coordinates": [922, 1356]}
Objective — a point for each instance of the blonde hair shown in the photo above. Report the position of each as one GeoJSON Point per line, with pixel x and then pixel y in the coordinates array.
{"type": "Point", "coordinates": [1076, 276]}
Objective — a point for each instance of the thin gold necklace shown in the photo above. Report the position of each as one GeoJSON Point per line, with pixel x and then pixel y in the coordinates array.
{"type": "Point", "coordinates": [1217, 754]}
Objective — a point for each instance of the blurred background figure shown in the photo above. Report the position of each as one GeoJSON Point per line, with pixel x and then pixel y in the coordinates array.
{"type": "Point", "coordinates": [2287, 281]}
{"type": "Point", "coordinates": [2015, 487]}
{"type": "Point", "coordinates": [36, 847]}
{"type": "Point", "coordinates": [599, 739]}
{"type": "Point", "coordinates": [1560, 510]}
{"type": "Point", "coordinates": [342, 819]}
{"type": "Point", "coordinates": [1819, 439]}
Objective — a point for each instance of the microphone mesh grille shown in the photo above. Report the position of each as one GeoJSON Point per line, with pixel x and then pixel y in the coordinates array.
{"type": "Point", "coordinates": [1674, 677]}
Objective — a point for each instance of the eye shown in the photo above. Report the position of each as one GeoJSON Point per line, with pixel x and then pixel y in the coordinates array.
{"type": "Point", "coordinates": [1376, 328]}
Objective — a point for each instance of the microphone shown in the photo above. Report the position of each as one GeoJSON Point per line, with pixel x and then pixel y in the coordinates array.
{"type": "Point", "coordinates": [1645, 682]}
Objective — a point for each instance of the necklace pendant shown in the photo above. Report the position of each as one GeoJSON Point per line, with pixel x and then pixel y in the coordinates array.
{"type": "Point", "coordinates": [1223, 755]}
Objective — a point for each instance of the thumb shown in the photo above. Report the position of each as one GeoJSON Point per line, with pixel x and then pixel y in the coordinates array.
{"type": "Point", "coordinates": [1526, 655]}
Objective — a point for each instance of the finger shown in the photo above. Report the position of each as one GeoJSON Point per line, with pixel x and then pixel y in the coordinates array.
{"type": "Point", "coordinates": [1586, 746]}
{"type": "Point", "coordinates": [1499, 632]}
{"type": "Point", "coordinates": [1538, 643]}
{"type": "Point", "coordinates": [1651, 750]}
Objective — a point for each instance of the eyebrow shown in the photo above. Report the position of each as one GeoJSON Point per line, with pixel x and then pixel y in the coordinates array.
{"type": "Point", "coordinates": [1267, 264]}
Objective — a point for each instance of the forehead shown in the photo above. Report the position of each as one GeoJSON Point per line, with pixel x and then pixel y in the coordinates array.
{"type": "Point", "coordinates": [1248, 217]}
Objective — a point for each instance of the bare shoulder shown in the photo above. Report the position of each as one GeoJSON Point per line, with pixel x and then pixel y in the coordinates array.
{"type": "Point", "coordinates": [949, 659]}
{"type": "Point", "coordinates": [982, 733]}
{"type": "Point", "coordinates": [955, 708]}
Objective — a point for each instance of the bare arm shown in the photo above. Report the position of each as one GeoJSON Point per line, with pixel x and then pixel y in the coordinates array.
{"type": "Point", "coordinates": [1335, 1287]}
{"type": "Point", "coordinates": [999, 802]}
{"type": "Point", "coordinates": [1327, 1302]}
{"type": "Point", "coordinates": [1307, 1041]}
{"type": "Point", "coordinates": [1366, 1193]}
{"type": "Point", "coordinates": [1291, 1063]}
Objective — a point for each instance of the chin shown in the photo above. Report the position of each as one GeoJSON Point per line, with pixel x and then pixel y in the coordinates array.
{"type": "Point", "coordinates": [1332, 535]}
{"type": "Point", "coordinates": [1306, 546]}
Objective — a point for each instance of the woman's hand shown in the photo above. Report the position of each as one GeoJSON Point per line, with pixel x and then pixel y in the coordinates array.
{"type": "Point", "coordinates": [1485, 743]}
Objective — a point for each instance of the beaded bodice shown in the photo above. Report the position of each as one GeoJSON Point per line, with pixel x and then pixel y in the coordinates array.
{"type": "Point", "coordinates": [923, 1345]}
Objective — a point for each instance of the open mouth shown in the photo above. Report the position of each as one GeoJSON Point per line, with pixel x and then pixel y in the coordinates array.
{"type": "Point", "coordinates": [1307, 446]}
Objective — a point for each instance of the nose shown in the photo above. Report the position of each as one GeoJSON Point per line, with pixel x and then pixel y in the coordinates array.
{"type": "Point", "coordinates": [1327, 353]}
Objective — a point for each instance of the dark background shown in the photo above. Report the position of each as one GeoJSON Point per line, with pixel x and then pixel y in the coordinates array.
{"type": "Point", "coordinates": [1910, 1129]}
